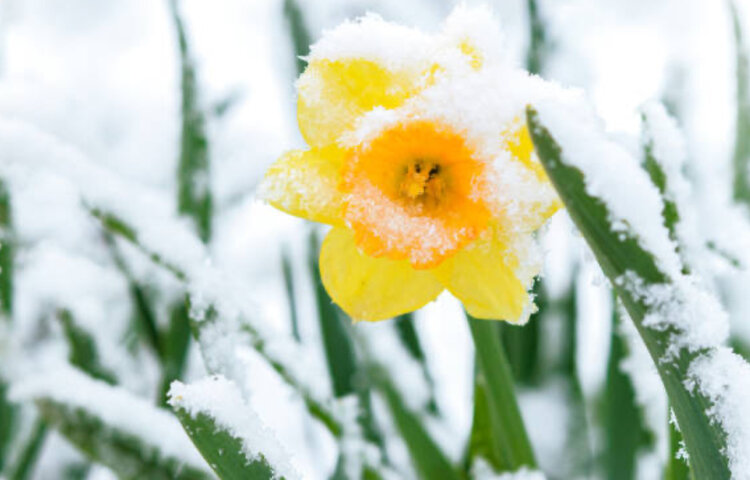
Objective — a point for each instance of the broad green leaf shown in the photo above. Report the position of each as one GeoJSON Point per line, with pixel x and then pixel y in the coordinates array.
{"type": "Point", "coordinates": [83, 352]}
{"type": "Point", "coordinates": [508, 431]}
{"type": "Point", "coordinates": [741, 162]}
{"type": "Point", "coordinates": [428, 459]}
{"type": "Point", "coordinates": [617, 253]}
{"type": "Point", "coordinates": [193, 174]}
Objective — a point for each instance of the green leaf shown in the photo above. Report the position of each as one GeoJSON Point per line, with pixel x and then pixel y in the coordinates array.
{"type": "Point", "coordinates": [622, 419]}
{"type": "Point", "coordinates": [538, 42]}
{"type": "Point", "coordinates": [29, 453]}
{"type": "Point", "coordinates": [337, 341]}
{"type": "Point", "coordinates": [482, 442]}
{"type": "Point", "coordinates": [288, 272]}
{"type": "Point", "coordinates": [428, 459]}
{"type": "Point", "coordinates": [124, 450]}
{"type": "Point", "coordinates": [224, 450]}
{"type": "Point", "coordinates": [345, 369]}
{"type": "Point", "coordinates": [298, 32]}
{"type": "Point", "coordinates": [407, 333]}
{"type": "Point", "coordinates": [741, 160]}
{"type": "Point", "coordinates": [7, 249]}
{"type": "Point", "coordinates": [616, 254]}
{"type": "Point", "coordinates": [176, 344]}
{"type": "Point", "coordinates": [317, 407]}
{"type": "Point", "coordinates": [676, 468]}
{"type": "Point", "coordinates": [508, 431]}
{"type": "Point", "coordinates": [194, 193]}
{"type": "Point", "coordinates": [83, 352]}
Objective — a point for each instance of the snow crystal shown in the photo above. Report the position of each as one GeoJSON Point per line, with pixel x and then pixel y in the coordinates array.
{"type": "Point", "coordinates": [693, 316]}
{"type": "Point", "coordinates": [724, 378]}
{"type": "Point", "coordinates": [221, 400]}
{"type": "Point", "coordinates": [634, 204]}
{"type": "Point", "coordinates": [115, 406]}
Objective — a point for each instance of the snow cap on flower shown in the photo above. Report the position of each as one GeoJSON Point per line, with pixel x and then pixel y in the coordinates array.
{"type": "Point", "coordinates": [420, 160]}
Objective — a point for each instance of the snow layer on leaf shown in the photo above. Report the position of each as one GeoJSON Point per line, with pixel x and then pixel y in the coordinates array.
{"type": "Point", "coordinates": [221, 400]}
{"type": "Point", "coordinates": [612, 175]}
{"type": "Point", "coordinates": [692, 315]}
{"type": "Point", "coordinates": [115, 406]}
{"type": "Point", "coordinates": [724, 378]}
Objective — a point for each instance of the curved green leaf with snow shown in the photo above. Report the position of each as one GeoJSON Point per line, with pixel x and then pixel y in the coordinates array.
{"type": "Point", "coordinates": [682, 324]}
{"type": "Point", "coordinates": [227, 432]}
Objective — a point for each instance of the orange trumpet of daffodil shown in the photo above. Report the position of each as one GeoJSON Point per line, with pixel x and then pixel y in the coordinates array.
{"type": "Point", "coordinates": [418, 161]}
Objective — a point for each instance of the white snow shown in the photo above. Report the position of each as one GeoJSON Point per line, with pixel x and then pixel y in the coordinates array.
{"type": "Point", "coordinates": [612, 175]}
{"type": "Point", "coordinates": [724, 378]}
{"type": "Point", "coordinates": [115, 406]}
{"type": "Point", "coordinates": [221, 400]}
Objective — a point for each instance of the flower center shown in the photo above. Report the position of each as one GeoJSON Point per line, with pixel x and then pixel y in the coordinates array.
{"type": "Point", "coordinates": [422, 182]}
{"type": "Point", "coordinates": [416, 192]}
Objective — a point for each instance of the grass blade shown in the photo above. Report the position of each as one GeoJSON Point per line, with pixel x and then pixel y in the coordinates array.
{"type": "Point", "coordinates": [83, 352]}
{"type": "Point", "coordinates": [337, 341]}
{"type": "Point", "coordinates": [288, 272]}
{"type": "Point", "coordinates": [223, 429]}
{"type": "Point", "coordinates": [622, 419]}
{"type": "Point", "coordinates": [28, 455]}
{"type": "Point", "coordinates": [617, 254]}
{"type": "Point", "coordinates": [428, 459]}
{"type": "Point", "coordinates": [193, 175]}
{"type": "Point", "coordinates": [112, 427]}
{"type": "Point", "coordinates": [741, 158]}
{"type": "Point", "coordinates": [299, 33]}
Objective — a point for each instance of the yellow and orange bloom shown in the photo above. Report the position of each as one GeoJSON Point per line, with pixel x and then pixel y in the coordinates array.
{"type": "Point", "coordinates": [420, 162]}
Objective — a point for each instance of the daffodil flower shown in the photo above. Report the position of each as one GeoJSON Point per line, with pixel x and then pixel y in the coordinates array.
{"type": "Point", "coordinates": [420, 162]}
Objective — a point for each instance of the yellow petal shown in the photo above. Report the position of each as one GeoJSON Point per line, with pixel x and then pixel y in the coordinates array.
{"type": "Point", "coordinates": [518, 142]}
{"type": "Point", "coordinates": [333, 93]}
{"type": "Point", "coordinates": [369, 288]}
{"type": "Point", "coordinates": [482, 277]}
{"type": "Point", "coordinates": [305, 184]}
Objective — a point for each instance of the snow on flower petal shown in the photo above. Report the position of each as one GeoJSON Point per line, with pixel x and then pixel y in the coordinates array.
{"type": "Point", "coordinates": [433, 182]}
